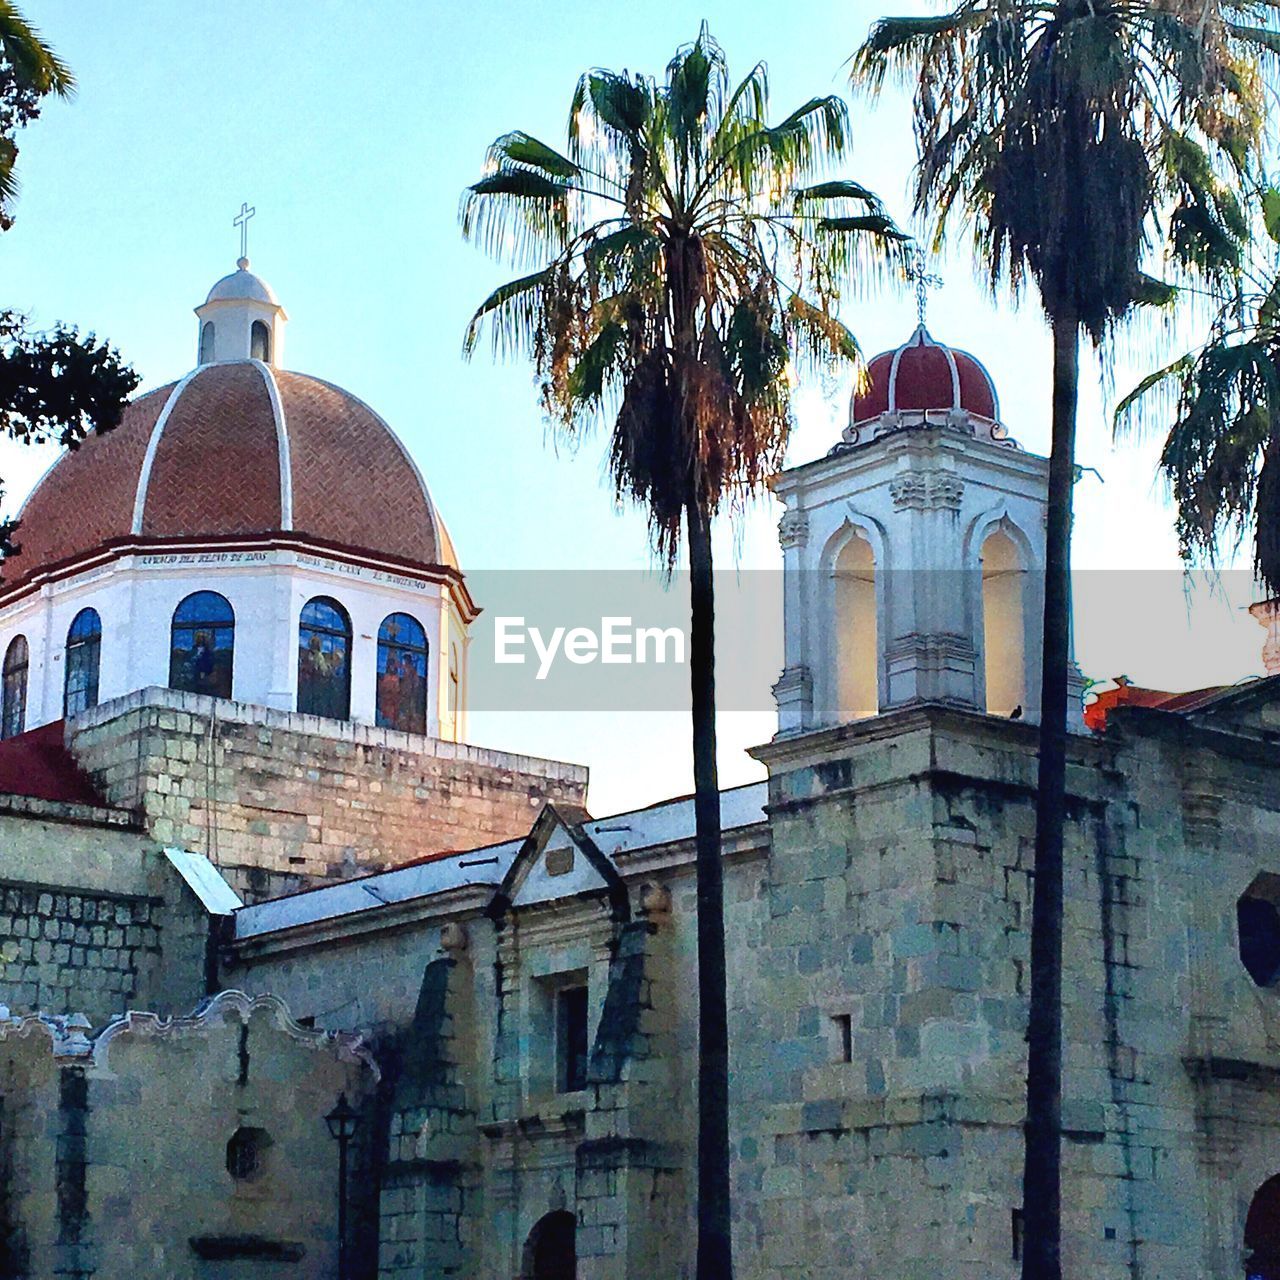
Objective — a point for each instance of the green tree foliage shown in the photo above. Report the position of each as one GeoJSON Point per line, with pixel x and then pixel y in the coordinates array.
{"type": "Point", "coordinates": [54, 385]}
{"type": "Point", "coordinates": [680, 253]}
{"type": "Point", "coordinates": [1219, 406]}
{"type": "Point", "coordinates": [29, 71]}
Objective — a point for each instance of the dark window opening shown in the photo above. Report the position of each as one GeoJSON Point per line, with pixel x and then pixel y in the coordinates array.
{"type": "Point", "coordinates": [260, 342]}
{"type": "Point", "coordinates": [84, 653]}
{"type": "Point", "coordinates": [16, 662]}
{"type": "Point", "coordinates": [571, 1039]}
{"type": "Point", "coordinates": [202, 645]}
{"type": "Point", "coordinates": [206, 343]}
{"type": "Point", "coordinates": [246, 1153]}
{"type": "Point", "coordinates": [1016, 1225]}
{"type": "Point", "coordinates": [843, 1026]}
{"type": "Point", "coordinates": [1258, 929]}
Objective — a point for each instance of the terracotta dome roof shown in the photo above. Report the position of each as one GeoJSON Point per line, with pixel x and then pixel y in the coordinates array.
{"type": "Point", "coordinates": [235, 449]}
{"type": "Point", "coordinates": [925, 375]}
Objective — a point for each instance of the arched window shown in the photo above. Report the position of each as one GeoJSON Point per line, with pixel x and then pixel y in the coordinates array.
{"type": "Point", "coordinates": [201, 645]}
{"type": "Point", "coordinates": [206, 342]}
{"type": "Point", "coordinates": [1003, 624]}
{"type": "Point", "coordinates": [16, 660]}
{"type": "Point", "coordinates": [857, 666]}
{"type": "Point", "coordinates": [260, 341]}
{"type": "Point", "coordinates": [84, 651]}
{"type": "Point", "coordinates": [324, 659]}
{"type": "Point", "coordinates": [402, 674]}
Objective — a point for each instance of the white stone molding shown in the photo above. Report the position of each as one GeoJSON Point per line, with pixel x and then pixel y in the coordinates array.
{"type": "Point", "coordinates": [346, 1046]}
{"type": "Point", "coordinates": [153, 445]}
{"type": "Point", "coordinates": [284, 452]}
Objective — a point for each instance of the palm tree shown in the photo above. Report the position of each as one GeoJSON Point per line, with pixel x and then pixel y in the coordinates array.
{"type": "Point", "coordinates": [678, 261]}
{"type": "Point", "coordinates": [1221, 454]}
{"type": "Point", "coordinates": [1069, 137]}
{"type": "Point", "coordinates": [29, 71]}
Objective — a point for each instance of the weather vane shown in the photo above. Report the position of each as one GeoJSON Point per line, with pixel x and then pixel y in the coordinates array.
{"type": "Point", "coordinates": [241, 220]}
{"type": "Point", "coordinates": [923, 280]}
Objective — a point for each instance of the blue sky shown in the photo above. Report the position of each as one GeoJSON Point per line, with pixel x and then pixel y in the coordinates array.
{"type": "Point", "coordinates": [353, 129]}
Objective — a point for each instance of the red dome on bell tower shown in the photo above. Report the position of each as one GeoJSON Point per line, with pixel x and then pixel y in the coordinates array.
{"type": "Point", "coordinates": [924, 376]}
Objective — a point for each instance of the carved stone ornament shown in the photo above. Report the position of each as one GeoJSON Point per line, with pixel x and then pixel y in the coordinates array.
{"type": "Point", "coordinates": [793, 530]}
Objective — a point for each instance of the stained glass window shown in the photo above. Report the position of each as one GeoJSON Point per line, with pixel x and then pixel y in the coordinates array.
{"type": "Point", "coordinates": [84, 651]}
{"type": "Point", "coordinates": [202, 645]}
{"type": "Point", "coordinates": [324, 659]}
{"type": "Point", "coordinates": [260, 341]}
{"type": "Point", "coordinates": [14, 719]}
{"type": "Point", "coordinates": [402, 674]}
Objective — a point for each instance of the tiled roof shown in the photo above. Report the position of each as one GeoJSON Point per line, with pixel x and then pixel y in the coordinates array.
{"type": "Point", "coordinates": [86, 498]}
{"type": "Point", "coordinates": [217, 465]}
{"type": "Point", "coordinates": [924, 374]}
{"type": "Point", "coordinates": [215, 470]}
{"type": "Point", "coordinates": [37, 764]}
{"type": "Point", "coordinates": [1132, 695]}
{"type": "Point", "coordinates": [352, 481]}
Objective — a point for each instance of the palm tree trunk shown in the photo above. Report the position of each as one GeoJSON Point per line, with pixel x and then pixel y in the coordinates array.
{"type": "Point", "coordinates": [715, 1255]}
{"type": "Point", "coordinates": [1042, 1174]}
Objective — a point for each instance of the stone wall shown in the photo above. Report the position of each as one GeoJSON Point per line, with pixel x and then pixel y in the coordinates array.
{"type": "Point", "coordinates": [93, 920]}
{"type": "Point", "coordinates": [280, 801]}
{"type": "Point", "coordinates": [117, 1148]}
{"type": "Point", "coordinates": [886, 913]}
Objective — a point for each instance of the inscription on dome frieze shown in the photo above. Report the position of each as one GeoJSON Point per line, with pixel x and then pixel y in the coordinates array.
{"type": "Point", "coordinates": [203, 557]}
{"type": "Point", "coordinates": [363, 572]}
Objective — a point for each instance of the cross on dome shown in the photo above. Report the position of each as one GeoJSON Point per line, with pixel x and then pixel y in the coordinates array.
{"type": "Point", "coordinates": [241, 220]}
{"type": "Point", "coordinates": [924, 280]}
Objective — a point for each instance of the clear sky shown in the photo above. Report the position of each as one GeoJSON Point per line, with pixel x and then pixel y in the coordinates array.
{"type": "Point", "coordinates": [352, 130]}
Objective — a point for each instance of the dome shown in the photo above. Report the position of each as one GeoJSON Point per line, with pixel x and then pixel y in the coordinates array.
{"type": "Point", "coordinates": [234, 449]}
{"type": "Point", "coordinates": [242, 285]}
{"type": "Point", "coordinates": [924, 375]}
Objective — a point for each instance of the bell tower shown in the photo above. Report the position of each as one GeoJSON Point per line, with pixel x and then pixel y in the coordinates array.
{"type": "Point", "coordinates": [241, 319]}
{"type": "Point", "coordinates": [914, 553]}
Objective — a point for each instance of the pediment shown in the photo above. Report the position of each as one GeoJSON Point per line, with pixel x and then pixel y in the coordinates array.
{"type": "Point", "coordinates": [1252, 709]}
{"type": "Point", "coordinates": [559, 860]}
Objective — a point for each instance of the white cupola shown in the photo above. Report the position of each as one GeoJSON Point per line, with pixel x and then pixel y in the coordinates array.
{"type": "Point", "coordinates": [914, 553]}
{"type": "Point", "coordinates": [241, 320]}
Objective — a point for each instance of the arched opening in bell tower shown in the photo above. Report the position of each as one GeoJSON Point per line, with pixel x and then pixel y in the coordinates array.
{"type": "Point", "coordinates": [856, 639]}
{"type": "Point", "coordinates": [1004, 624]}
{"type": "Point", "coordinates": [260, 342]}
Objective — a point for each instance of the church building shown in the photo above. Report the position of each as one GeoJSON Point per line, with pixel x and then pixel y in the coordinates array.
{"type": "Point", "coordinates": [294, 981]}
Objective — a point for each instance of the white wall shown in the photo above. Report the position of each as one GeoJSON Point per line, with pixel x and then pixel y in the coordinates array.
{"type": "Point", "coordinates": [136, 594]}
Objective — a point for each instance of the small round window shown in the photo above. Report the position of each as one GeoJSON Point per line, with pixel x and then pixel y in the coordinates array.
{"type": "Point", "coordinates": [247, 1154]}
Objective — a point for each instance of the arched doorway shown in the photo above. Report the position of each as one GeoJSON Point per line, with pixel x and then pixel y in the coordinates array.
{"type": "Point", "coordinates": [551, 1252]}
{"type": "Point", "coordinates": [1262, 1233]}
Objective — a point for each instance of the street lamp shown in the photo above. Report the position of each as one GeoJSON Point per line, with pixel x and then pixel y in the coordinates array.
{"type": "Point", "coordinates": [343, 1121]}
